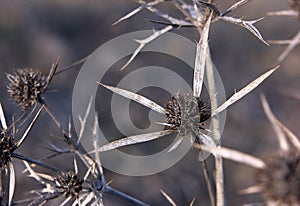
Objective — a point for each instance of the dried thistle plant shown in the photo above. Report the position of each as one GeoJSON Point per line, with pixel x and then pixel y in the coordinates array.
{"type": "Point", "coordinates": [68, 185]}
{"type": "Point", "coordinates": [278, 173]}
{"type": "Point", "coordinates": [174, 113]}
{"type": "Point", "coordinates": [185, 114]}
{"type": "Point", "coordinates": [26, 86]}
{"type": "Point", "coordinates": [200, 15]}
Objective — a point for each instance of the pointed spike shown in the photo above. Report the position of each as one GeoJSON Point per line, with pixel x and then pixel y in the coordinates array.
{"type": "Point", "coordinates": [247, 25]}
{"type": "Point", "coordinates": [251, 190]}
{"type": "Point", "coordinates": [192, 202]}
{"type": "Point", "coordinates": [170, 200]}
{"type": "Point", "coordinates": [136, 97]}
{"type": "Point", "coordinates": [132, 140]}
{"type": "Point", "coordinates": [75, 165]}
{"type": "Point", "coordinates": [130, 14]}
{"type": "Point", "coordinates": [146, 41]}
{"type": "Point", "coordinates": [2, 118]}
{"type": "Point", "coordinates": [234, 155]}
{"type": "Point", "coordinates": [247, 89]}
{"type": "Point", "coordinates": [294, 42]}
{"type": "Point", "coordinates": [290, 135]}
{"type": "Point", "coordinates": [52, 71]}
{"type": "Point", "coordinates": [29, 127]}
{"type": "Point", "coordinates": [284, 146]}
{"type": "Point", "coordinates": [235, 6]}
{"type": "Point", "coordinates": [12, 183]}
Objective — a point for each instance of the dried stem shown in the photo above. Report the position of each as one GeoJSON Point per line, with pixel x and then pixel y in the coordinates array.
{"type": "Point", "coordinates": [133, 200]}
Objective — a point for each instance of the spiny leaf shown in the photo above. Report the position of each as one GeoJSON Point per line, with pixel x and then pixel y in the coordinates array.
{"type": "Point", "coordinates": [234, 155]}
{"type": "Point", "coordinates": [2, 118]}
{"type": "Point", "coordinates": [146, 41]}
{"type": "Point", "coordinates": [168, 198]}
{"type": "Point", "coordinates": [201, 58]}
{"type": "Point", "coordinates": [130, 14]}
{"type": "Point", "coordinates": [289, 12]}
{"type": "Point", "coordinates": [250, 190]}
{"type": "Point", "coordinates": [66, 201]}
{"type": "Point", "coordinates": [294, 42]}
{"type": "Point", "coordinates": [132, 140]}
{"type": "Point", "coordinates": [12, 183]}
{"type": "Point", "coordinates": [247, 89]}
{"type": "Point", "coordinates": [138, 9]}
{"type": "Point", "coordinates": [249, 25]}
{"type": "Point", "coordinates": [135, 97]}
{"type": "Point", "coordinates": [291, 136]}
{"type": "Point", "coordinates": [192, 202]}
{"type": "Point", "coordinates": [235, 6]}
{"type": "Point", "coordinates": [29, 127]}
{"type": "Point", "coordinates": [52, 71]}
{"type": "Point", "coordinates": [272, 119]}
{"type": "Point", "coordinates": [84, 119]}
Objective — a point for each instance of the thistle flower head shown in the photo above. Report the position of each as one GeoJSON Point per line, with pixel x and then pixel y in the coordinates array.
{"type": "Point", "coordinates": [6, 148]}
{"type": "Point", "coordinates": [186, 112]}
{"type": "Point", "coordinates": [25, 87]}
{"type": "Point", "coordinates": [280, 180]}
{"type": "Point", "coordinates": [68, 183]}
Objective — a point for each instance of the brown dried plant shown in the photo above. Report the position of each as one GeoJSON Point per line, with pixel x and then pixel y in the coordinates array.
{"type": "Point", "coordinates": [186, 115]}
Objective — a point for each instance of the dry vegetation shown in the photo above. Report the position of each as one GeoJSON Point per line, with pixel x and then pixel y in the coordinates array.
{"type": "Point", "coordinates": [66, 174]}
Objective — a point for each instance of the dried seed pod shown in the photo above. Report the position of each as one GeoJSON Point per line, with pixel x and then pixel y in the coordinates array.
{"type": "Point", "coordinates": [69, 183]}
{"type": "Point", "coordinates": [186, 113]}
{"type": "Point", "coordinates": [280, 180]}
{"type": "Point", "coordinates": [25, 87]}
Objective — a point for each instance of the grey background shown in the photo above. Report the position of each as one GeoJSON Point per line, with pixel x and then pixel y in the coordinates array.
{"type": "Point", "coordinates": [34, 33]}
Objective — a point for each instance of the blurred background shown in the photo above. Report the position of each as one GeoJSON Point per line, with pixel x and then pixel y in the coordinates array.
{"type": "Point", "coordinates": [34, 33]}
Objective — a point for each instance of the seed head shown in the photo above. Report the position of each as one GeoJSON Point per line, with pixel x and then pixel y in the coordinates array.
{"type": "Point", "coordinates": [280, 180]}
{"type": "Point", "coordinates": [6, 148]}
{"type": "Point", "coordinates": [173, 114]}
{"type": "Point", "coordinates": [68, 183]}
{"type": "Point", "coordinates": [186, 113]}
{"type": "Point", "coordinates": [25, 87]}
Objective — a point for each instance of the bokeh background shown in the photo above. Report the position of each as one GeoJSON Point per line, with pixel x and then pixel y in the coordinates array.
{"type": "Point", "coordinates": [34, 33]}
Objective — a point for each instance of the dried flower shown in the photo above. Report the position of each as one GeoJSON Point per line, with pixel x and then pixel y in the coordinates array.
{"type": "Point", "coordinates": [68, 183]}
{"type": "Point", "coordinates": [186, 111]}
{"type": "Point", "coordinates": [63, 184]}
{"type": "Point", "coordinates": [25, 87]}
{"type": "Point", "coordinates": [280, 180]}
